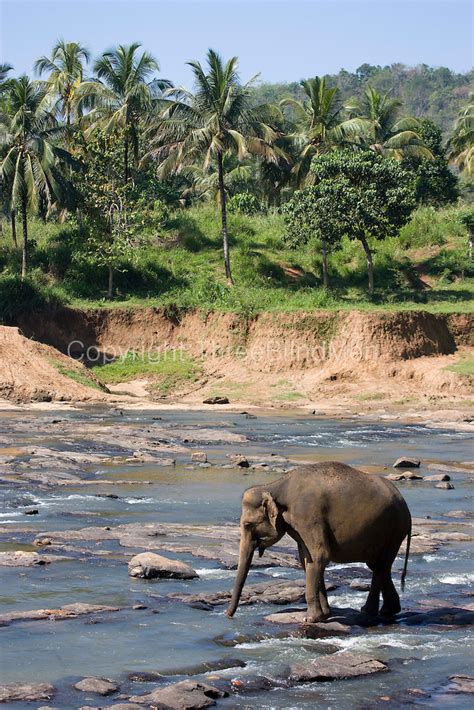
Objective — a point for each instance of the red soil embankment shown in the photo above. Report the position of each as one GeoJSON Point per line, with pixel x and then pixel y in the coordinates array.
{"type": "Point", "coordinates": [31, 371]}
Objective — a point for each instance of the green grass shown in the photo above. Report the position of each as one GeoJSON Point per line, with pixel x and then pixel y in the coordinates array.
{"type": "Point", "coordinates": [168, 371]}
{"type": "Point", "coordinates": [465, 366]}
{"type": "Point", "coordinates": [370, 397]}
{"type": "Point", "coordinates": [180, 266]}
{"type": "Point", "coordinates": [78, 376]}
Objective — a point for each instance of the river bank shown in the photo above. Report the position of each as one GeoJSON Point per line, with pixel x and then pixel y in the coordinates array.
{"type": "Point", "coordinates": [415, 366]}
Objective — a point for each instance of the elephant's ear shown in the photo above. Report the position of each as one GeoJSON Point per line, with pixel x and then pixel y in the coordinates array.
{"type": "Point", "coordinates": [271, 508]}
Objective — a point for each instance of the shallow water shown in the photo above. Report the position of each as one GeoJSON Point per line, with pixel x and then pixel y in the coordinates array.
{"type": "Point", "coordinates": [178, 636]}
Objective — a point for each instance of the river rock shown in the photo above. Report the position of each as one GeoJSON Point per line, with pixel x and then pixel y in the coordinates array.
{"type": "Point", "coordinates": [239, 460]}
{"type": "Point", "coordinates": [149, 565]}
{"type": "Point", "coordinates": [199, 456]}
{"type": "Point", "coordinates": [101, 686]}
{"type": "Point", "coordinates": [115, 706]}
{"type": "Point", "coordinates": [338, 666]}
{"type": "Point", "coordinates": [438, 477]}
{"type": "Point", "coordinates": [445, 485]}
{"type": "Point", "coordinates": [68, 611]}
{"type": "Point", "coordinates": [20, 558]}
{"type": "Point", "coordinates": [186, 695]}
{"type": "Point", "coordinates": [406, 462]}
{"type": "Point", "coordinates": [405, 476]}
{"type": "Point", "coordinates": [26, 692]}
{"type": "Point", "coordinates": [461, 684]}
{"type": "Point", "coordinates": [271, 592]}
{"type": "Point", "coordinates": [298, 617]}
{"type": "Point", "coordinates": [216, 400]}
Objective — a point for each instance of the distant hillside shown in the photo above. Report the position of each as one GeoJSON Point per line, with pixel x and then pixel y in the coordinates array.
{"type": "Point", "coordinates": [437, 93]}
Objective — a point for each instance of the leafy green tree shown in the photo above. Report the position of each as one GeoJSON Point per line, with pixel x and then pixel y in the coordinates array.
{"type": "Point", "coordinates": [435, 183]}
{"type": "Point", "coordinates": [316, 215]}
{"type": "Point", "coordinates": [374, 123]}
{"type": "Point", "coordinates": [65, 68]}
{"type": "Point", "coordinates": [365, 197]}
{"type": "Point", "coordinates": [316, 121]}
{"type": "Point", "coordinates": [461, 142]}
{"type": "Point", "coordinates": [105, 204]}
{"type": "Point", "coordinates": [216, 119]}
{"type": "Point", "coordinates": [32, 161]}
{"type": "Point", "coordinates": [123, 97]}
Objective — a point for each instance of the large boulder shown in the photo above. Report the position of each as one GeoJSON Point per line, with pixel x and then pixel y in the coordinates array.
{"type": "Point", "coordinates": [186, 695]}
{"type": "Point", "coordinates": [101, 686]}
{"type": "Point", "coordinates": [149, 565]}
{"type": "Point", "coordinates": [337, 666]}
{"type": "Point", "coordinates": [216, 400]}
{"type": "Point", "coordinates": [26, 692]}
{"type": "Point", "coordinates": [406, 462]}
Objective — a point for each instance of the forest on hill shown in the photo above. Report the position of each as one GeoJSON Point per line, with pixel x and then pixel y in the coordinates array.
{"type": "Point", "coordinates": [432, 92]}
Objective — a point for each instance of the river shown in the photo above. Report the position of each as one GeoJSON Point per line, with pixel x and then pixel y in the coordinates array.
{"type": "Point", "coordinates": [169, 636]}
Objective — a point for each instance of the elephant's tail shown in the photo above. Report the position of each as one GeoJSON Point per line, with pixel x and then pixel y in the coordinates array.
{"type": "Point", "coordinates": [407, 553]}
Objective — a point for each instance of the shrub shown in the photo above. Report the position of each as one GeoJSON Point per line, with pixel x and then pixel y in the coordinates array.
{"type": "Point", "coordinates": [245, 203]}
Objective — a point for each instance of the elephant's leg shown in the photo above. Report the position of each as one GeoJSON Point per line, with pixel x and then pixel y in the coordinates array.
{"type": "Point", "coordinates": [371, 606]}
{"type": "Point", "coordinates": [323, 596]}
{"type": "Point", "coordinates": [391, 600]}
{"type": "Point", "coordinates": [301, 555]}
{"type": "Point", "coordinates": [315, 564]}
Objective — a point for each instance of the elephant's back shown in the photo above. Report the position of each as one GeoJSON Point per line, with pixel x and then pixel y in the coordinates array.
{"type": "Point", "coordinates": [353, 504]}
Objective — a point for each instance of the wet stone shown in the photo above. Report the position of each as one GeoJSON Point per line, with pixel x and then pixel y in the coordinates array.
{"type": "Point", "coordinates": [320, 627]}
{"type": "Point", "coordinates": [438, 477]}
{"type": "Point", "coordinates": [101, 686]}
{"type": "Point", "coordinates": [199, 456]}
{"type": "Point", "coordinates": [25, 692]}
{"type": "Point", "coordinates": [445, 485]}
{"type": "Point", "coordinates": [461, 684]}
{"type": "Point", "coordinates": [148, 565]}
{"type": "Point", "coordinates": [20, 558]}
{"type": "Point", "coordinates": [339, 666]}
{"type": "Point", "coordinates": [406, 462]}
{"type": "Point", "coordinates": [179, 696]}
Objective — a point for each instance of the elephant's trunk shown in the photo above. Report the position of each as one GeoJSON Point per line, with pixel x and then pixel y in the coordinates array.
{"type": "Point", "coordinates": [247, 548]}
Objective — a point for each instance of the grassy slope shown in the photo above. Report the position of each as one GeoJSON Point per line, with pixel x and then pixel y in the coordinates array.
{"type": "Point", "coordinates": [168, 371]}
{"type": "Point", "coordinates": [182, 266]}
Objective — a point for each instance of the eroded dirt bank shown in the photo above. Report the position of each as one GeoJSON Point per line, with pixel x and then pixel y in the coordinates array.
{"type": "Point", "coordinates": [335, 360]}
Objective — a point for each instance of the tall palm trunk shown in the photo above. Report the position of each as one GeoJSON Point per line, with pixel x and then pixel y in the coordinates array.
{"type": "Point", "coordinates": [110, 289]}
{"type": "Point", "coordinates": [125, 158]}
{"type": "Point", "coordinates": [225, 235]}
{"type": "Point", "coordinates": [24, 257]}
{"type": "Point", "coordinates": [13, 227]}
{"type": "Point", "coordinates": [370, 264]}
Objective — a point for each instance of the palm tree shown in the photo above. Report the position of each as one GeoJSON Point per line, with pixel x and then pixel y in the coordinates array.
{"type": "Point", "coordinates": [123, 95]}
{"type": "Point", "coordinates": [4, 81]}
{"type": "Point", "coordinates": [31, 162]}
{"type": "Point", "coordinates": [316, 121]}
{"type": "Point", "coordinates": [461, 143]}
{"type": "Point", "coordinates": [216, 119]}
{"type": "Point", "coordinates": [374, 123]}
{"type": "Point", "coordinates": [4, 85]}
{"type": "Point", "coordinates": [66, 73]}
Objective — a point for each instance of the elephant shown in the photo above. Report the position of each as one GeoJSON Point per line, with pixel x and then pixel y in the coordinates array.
{"type": "Point", "coordinates": [335, 513]}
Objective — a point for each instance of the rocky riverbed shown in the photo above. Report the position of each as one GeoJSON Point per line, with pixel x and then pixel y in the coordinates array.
{"type": "Point", "coordinates": [88, 624]}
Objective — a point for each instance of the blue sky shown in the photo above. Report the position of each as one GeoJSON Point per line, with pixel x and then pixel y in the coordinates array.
{"type": "Point", "coordinates": [284, 40]}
